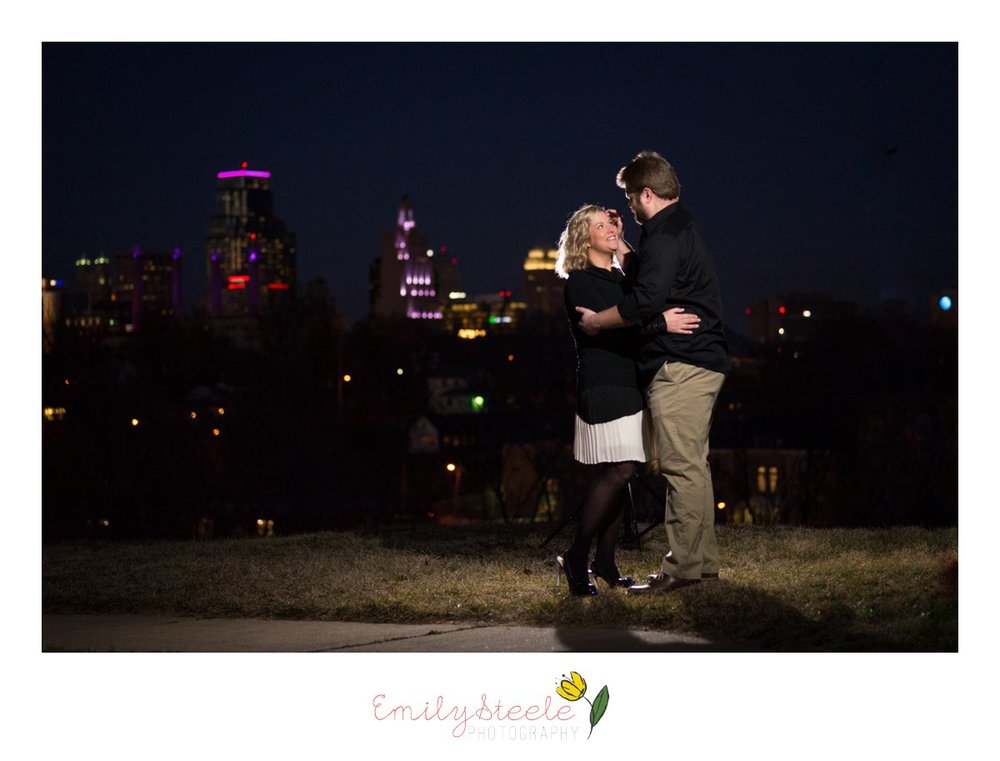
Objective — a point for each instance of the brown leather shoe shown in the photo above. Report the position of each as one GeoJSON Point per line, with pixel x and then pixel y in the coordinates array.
{"type": "Point", "coordinates": [661, 585]}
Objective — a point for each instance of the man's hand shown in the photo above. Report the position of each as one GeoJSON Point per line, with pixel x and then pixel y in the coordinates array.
{"type": "Point", "coordinates": [679, 321]}
{"type": "Point", "coordinates": [588, 323]}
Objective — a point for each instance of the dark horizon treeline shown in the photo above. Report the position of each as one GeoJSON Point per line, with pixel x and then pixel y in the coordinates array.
{"type": "Point", "coordinates": [871, 410]}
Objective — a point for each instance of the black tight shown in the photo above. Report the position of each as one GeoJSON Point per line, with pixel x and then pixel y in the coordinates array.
{"type": "Point", "coordinates": [601, 517]}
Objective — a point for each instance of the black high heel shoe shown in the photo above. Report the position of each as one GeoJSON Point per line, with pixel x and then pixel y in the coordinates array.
{"type": "Point", "coordinates": [577, 587]}
{"type": "Point", "coordinates": [612, 577]}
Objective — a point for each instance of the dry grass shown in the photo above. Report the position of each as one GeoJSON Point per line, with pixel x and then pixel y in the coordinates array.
{"type": "Point", "coordinates": [787, 589]}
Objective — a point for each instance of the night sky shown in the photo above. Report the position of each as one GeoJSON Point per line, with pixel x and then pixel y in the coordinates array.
{"type": "Point", "coordinates": [817, 167]}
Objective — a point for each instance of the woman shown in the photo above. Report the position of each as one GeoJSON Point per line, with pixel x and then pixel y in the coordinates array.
{"type": "Point", "coordinates": [592, 258]}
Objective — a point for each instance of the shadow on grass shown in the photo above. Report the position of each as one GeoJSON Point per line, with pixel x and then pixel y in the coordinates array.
{"type": "Point", "coordinates": [719, 617]}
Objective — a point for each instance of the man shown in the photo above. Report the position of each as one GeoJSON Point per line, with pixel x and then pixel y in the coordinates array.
{"type": "Point", "coordinates": [682, 374]}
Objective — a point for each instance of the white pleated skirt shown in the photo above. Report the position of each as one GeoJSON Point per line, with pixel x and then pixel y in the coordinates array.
{"type": "Point", "coordinates": [622, 440]}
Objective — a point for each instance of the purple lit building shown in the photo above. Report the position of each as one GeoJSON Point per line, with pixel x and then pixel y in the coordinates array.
{"type": "Point", "coordinates": [409, 280]}
{"type": "Point", "coordinates": [249, 252]}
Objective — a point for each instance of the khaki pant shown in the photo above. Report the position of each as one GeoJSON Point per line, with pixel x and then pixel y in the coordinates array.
{"type": "Point", "coordinates": [681, 400]}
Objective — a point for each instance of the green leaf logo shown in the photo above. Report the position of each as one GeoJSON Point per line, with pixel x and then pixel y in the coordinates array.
{"type": "Point", "coordinates": [597, 708]}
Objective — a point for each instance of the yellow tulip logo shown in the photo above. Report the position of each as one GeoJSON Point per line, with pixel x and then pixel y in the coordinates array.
{"type": "Point", "coordinates": [575, 687]}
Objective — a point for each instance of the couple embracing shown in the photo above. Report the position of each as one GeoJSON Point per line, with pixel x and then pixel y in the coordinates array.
{"type": "Point", "coordinates": [651, 360]}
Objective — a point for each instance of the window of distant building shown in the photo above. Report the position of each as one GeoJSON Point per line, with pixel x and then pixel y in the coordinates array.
{"type": "Point", "coordinates": [767, 479]}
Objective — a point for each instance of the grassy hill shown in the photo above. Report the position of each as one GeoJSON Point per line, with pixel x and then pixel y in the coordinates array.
{"type": "Point", "coordinates": [784, 589]}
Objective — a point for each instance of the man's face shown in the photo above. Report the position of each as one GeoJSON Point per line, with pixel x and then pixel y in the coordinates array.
{"type": "Point", "coordinates": [635, 205]}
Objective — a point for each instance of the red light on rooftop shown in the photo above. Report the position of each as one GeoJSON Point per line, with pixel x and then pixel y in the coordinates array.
{"type": "Point", "coordinates": [278, 286]}
{"type": "Point", "coordinates": [748, 310]}
{"type": "Point", "coordinates": [243, 165]}
{"type": "Point", "coordinates": [236, 286]}
{"type": "Point", "coordinates": [781, 310]}
{"type": "Point", "coordinates": [253, 236]}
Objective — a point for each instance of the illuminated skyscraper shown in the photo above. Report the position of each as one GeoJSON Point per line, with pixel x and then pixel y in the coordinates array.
{"type": "Point", "coordinates": [94, 281]}
{"type": "Point", "coordinates": [543, 290]}
{"type": "Point", "coordinates": [249, 253]}
{"type": "Point", "coordinates": [147, 283]}
{"type": "Point", "coordinates": [405, 282]}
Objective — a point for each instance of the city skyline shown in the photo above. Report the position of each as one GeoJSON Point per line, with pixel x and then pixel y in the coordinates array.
{"type": "Point", "coordinates": [806, 164]}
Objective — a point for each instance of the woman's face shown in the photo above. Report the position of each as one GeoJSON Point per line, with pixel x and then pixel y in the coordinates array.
{"type": "Point", "coordinates": [603, 234]}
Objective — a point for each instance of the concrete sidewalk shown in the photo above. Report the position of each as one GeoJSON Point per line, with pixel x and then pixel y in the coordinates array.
{"type": "Point", "coordinates": [132, 633]}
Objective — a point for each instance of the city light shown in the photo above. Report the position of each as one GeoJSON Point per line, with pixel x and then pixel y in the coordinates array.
{"type": "Point", "coordinates": [135, 422]}
{"type": "Point", "coordinates": [781, 331]}
{"type": "Point", "coordinates": [456, 295]}
{"type": "Point", "coordinates": [721, 506]}
{"type": "Point", "coordinates": [194, 415]}
{"type": "Point", "coordinates": [450, 467]}
{"type": "Point", "coordinates": [54, 413]}
{"type": "Point", "coordinates": [222, 410]}
{"type": "Point", "coordinates": [399, 371]}
{"type": "Point", "coordinates": [216, 431]}
{"type": "Point", "coordinates": [478, 402]}
{"type": "Point", "coordinates": [347, 379]}
{"type": "Point", "coordinates": [945, 303]}
{"type": "Point", "coordinates": [510, 357]}
{"type": "Point", "coordinates": [807, 313]}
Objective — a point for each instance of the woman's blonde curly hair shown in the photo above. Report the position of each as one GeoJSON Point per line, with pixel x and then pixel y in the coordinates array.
{"type": "Point", "coordinates": [575, 239]}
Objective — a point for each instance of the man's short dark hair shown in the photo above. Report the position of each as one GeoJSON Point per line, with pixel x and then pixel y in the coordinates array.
{"type": "Point", "coordinates": [650, 170]}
